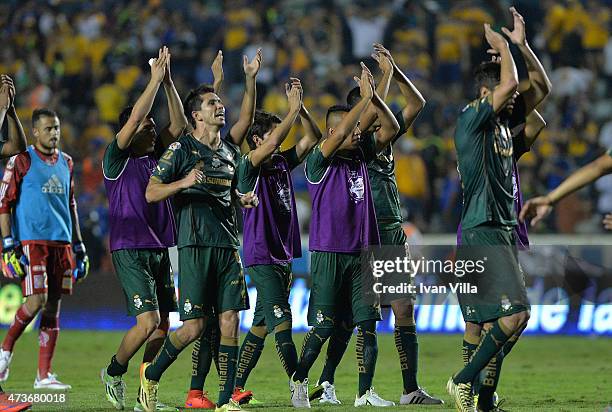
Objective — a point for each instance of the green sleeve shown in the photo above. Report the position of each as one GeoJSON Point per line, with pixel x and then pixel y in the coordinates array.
{"type": "Point", "coordinates": [609, 152]}
{"type": "Point", "coordinates": [316, 164]}
{"type": "Point", "coordinates": [169, 168]}
{"type": "Point", "coordinates": [247, 174]}
{"type": "Point", "coordinates": [291, 157]}
{"type": "Point", "coordinates": [114, 160]}
{"type": "Point", "coordinates": [476, 115]}
{"type": "Point", "coordinates": [368, 146]}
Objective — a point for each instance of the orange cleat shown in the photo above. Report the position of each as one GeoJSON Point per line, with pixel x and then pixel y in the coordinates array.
{"type": "Point", "coordinates": [241, 396]}
{"type": "Point", "coordinates": [7, 405]}
{"type": "Point", "coordinates": [197, 399]}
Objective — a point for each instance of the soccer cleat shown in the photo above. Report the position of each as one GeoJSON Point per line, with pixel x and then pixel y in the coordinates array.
{"type": "Point", "coordinates": [241, 396]}
{"type": "Point", "coordinates": [299, 393]}
{"type": "Point", "coordinates": [115, 389]}
{"type": "Point", "coordinates": [315, 393]}
{"type": "Point", "coordinates": [371, 398]}
{"type": "Point", "coordinates": [147, 393]}
{"type": "Point", "coordinates": [51, 383]}
{"type": "Point", "coordinates": [497, 403]}
{"type": "Point", "coordinates": [419, 397]}
{"type": "Point", "coordinates": [198, 399]}
{"type": "Point", "coordinates": [462, 394]}
{"type": "Point", "coordinates": [5, 361]}
{"type": "Point", "coordinates": [160, 407]}
{"type": "Point", "coordinates": [231, 406]}
{"type": "Point", "coordinates": [329, 394]}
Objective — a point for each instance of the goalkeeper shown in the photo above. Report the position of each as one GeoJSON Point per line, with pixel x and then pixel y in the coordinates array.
{"type": "Point", "coordinates": [38, 220]}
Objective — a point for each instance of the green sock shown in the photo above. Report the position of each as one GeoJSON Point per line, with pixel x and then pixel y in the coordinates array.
{"type": "Point", "coordinates": [228, 355]}
{"type": "Point", "coordinates": [367, 354]}
{"type": "Point", "coordinates": [286, 350]}
{"type": "Point", "coordinates": [467, 351]}
{"type": "Point", "coordinates": [408, 349]}
{"type": "Point", "coordinates": [166, 355]}
{"type": "Point", "coordinates": [311, 348]}
{"type": "Point", "coordinates": [115, 368]}
{"type": "Point", "coordinates": [204, 350]}
{"type": "Point", "coordinates": [489, 378]}
{"type": "Point", "coordinates": [338, 342]}
{"type": "Point", "coordinates": [490, 344]}
{"type": "Point", "coordinates": [250, 351]}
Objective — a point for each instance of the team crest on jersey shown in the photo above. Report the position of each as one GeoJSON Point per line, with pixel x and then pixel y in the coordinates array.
{"type": "Point", "coordinates": [320, 317]}
{"type": "Point", "coordinates": [187, 306]}
{"type": "Point", "coordinates": [137, 302]}
{"type": "Point", "coordinates": [216, 162]}
{"type": "Point", "coordinates": [505, 303]}
{"type": "Point", "coordinates": [278, 312]}
{"type": "Point", "coordinates": [174, 146]}
{"type": "Point", "coordinates": [356, 187]}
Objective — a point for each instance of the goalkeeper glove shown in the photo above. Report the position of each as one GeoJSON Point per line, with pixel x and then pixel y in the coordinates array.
{"type": "Point", "coordinates": [13, 261]}
{"type": "Point", "coordinates": [81, 270]}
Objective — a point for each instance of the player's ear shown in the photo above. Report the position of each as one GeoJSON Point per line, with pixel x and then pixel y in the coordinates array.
{"type": "Point", "coordinates": [196, 115]}
{"type": "Point", "coordinates": [484, 91]}
{"type": "Point", "coordinates": [257, 140]}
{"type": "Point", "coordinates": [330, 131]}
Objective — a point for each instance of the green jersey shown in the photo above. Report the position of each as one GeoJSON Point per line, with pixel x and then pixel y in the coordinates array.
{"type": "Point", "coordinates": [384, 186]}
{"type": "Point", "coordinates": [484, 156]}
{"type": "Point", "coordinates": [204, 212]}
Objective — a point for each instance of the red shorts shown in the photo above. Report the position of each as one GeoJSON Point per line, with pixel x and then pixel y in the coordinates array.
{"type": "Point", "coordinates": [49, 271]}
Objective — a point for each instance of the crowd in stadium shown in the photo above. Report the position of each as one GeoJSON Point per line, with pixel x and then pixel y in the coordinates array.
{"type": "Point", "coordinates": [87, 64]}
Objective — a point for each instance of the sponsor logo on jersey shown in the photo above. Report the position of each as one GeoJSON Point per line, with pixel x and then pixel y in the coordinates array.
{"type": "Point", "coordinates": [54, 186]}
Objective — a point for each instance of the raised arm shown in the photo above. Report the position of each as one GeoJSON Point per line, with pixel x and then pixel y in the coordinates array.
{"type": "Point", "coordinates": [382, 89]}
{"type": "Point", "coordinates": [508, 77]}
{"type": "Point", "coordinates": [539, 83]}
{"type": "Point", "coordinates": [346, 127]}
{"type": "Point", "coordinates": [388, 123]}
{"type": "Point", "coordinates": [17, 141]}
{"type": "Point", "coordinates": [280, 132]}
{"type": "Point", "coordinates": [143, 105]}
{"type": "Point", "coordinates": [217, 71]}
{"type": "Point", "coordinates": [178, 120]}
{"type": "Point", "coordinates": [535, 124]}
{"type": "Point", "coordinates": [414, 99]}
{"type": "Point", "coordinates": [247, 110]}
{"type": "Point", "coordinates": [312, 134]}
{"type": "Point", "coordinates": [538, 208]}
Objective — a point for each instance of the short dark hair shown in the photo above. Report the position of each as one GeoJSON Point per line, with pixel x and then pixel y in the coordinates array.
{"type": "Point", "coordinates": [38, 113]}
{"type": "Point", "coordinates": [193, 101]}
{"type": "Point", "coordinates": [337, 108]}
{"type": "Point", "coordinates": [487, 74]}
{"type": "Point", "coordinates": [262, 123]}
{"type": "Point", "coordinates": [353, 97]}
{"type": "Point", "coordinates": [125, 114]}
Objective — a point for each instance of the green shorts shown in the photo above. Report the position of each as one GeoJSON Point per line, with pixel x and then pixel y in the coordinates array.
{"type": "Point", "coordinates": [210, 281]}
{"type": "Point", "coordinates": [501, 284]}
{"type": "Point", "coordinates": [336, 295]}
{"type": "Point", "coordinates": [393, 236]}
{"type": "Point", "coordinates": [273, 283]}
{"type": "Point", "coordinates": [146, 279]}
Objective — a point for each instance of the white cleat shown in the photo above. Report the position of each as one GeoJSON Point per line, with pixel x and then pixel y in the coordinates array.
{"type": "Point", "coordinates": [329, 394]}
{"type": "Point", "coordinates": [51, 383]}
{"type": "Point", "coordinates": [5, 361]}
{"type": "Point", "coordinates": [299, 393]}
{"type": "Point", "coordinates": [371, 398]}
{"type": "Point", "coordinates": [419, 397]}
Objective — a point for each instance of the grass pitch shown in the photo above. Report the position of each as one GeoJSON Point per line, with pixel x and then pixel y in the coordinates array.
{"type": "Point", "coordinates": [542, 373]}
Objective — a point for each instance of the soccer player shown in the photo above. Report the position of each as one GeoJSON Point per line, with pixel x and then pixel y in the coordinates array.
{"type": "Point", "coordinates": [343, 224]}
{"type": "Point", "coordinates": [141, 232]}
{"type": "Point", "coordinates": [484, 145]}
{"type": "Point", "coordinates": [39, 210]}
{"type": "Point", "coordinates": [271, 230]}
{"type": "Point", "coordinates": [16, 143]}
{"type": "Point", "coordinates": [198, 170]}
{"type": "Point", "coordinates": [381, 171]}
